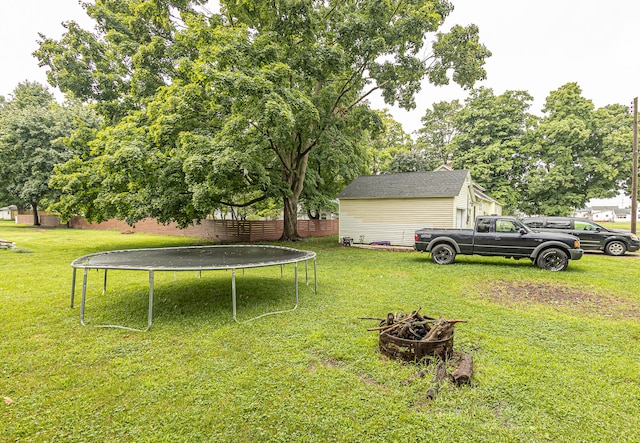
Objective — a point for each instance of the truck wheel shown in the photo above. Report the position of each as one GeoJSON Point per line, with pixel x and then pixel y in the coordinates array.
{"type": "Point", "coordinates": [443, 254]}
{"type": "Point", "coordinates": [615, 248]}
{"type": "Point", "coordinates": [553, 259]}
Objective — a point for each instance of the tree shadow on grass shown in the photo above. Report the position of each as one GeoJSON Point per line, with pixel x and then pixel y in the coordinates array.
{"type": "Point", "coordinates": [190, 297]}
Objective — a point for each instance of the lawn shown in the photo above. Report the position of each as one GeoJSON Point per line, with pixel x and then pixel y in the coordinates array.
{"type": "Point", "coordinates": [556, 355]}
{"type": "Point", "coordinates": [626, 226]}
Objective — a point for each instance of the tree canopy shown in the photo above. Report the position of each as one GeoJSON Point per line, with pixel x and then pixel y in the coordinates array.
{"type": "Point", "coordinates": [579, 153]}
{"type": "Point", "coordinates": [547, 165]}
{"type": "Point", "coordinates": [490, 141]}
{"type": "Point", "coordinates": [261, 101]}
{"type": "Point", "coordinates": [437, 132]}
{"type": "Point", "coordinates": [32, 126]}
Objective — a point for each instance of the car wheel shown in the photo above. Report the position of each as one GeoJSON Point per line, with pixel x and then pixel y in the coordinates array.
{"type": "Point", "coordinates": [615, 248]}
{"type": "Point", "coordinates": [443, 254]}
{"type": "Point", "coordinates": [553, 259]}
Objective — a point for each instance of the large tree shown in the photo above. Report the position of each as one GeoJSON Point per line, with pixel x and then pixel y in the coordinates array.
{"type": "Point", "coordinates": [385, 139]}
{"type": "Point", "coordinates": [490, 140]}
{"type": "Point", "coordinates": [232, 108]}
{"type": "Point", "coordinates": [437, 132]}
{"type": "Point", "coordinates": [32, 126]}
{"type": "Point", "coordinates": [579, 153]}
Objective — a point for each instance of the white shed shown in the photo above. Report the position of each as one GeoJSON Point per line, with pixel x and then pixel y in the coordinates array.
{"type": "Point", "coordinates": [391, 207]}
{"type": "Point", "coordinates": [8, 212]}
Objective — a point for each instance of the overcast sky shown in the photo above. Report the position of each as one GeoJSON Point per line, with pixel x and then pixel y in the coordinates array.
{"type": "Point", "coordinates": [540, 45]}
{"type": "Point", "coordinates": [537, 46]}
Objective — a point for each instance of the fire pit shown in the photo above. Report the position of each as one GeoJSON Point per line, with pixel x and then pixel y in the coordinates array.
{"type": "Point", "coordinates": [419, 339]}
{"type": "Point", "coordinates": [414, 350]}
{"type": "Point", "coordinates": [413, 337]}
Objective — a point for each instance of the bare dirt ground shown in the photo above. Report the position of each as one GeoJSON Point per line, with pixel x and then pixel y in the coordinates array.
{"type": "Point", "coordinates": [577, 300]}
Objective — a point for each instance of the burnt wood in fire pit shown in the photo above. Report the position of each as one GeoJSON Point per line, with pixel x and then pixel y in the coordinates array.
{"type": "Point", "coordinates": [414, 350]}
{"type": "Point", "coordinates": [413, 337]}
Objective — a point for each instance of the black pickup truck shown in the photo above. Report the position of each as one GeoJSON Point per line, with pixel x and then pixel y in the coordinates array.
{"type": "Point", "coordinates": [500, 236]}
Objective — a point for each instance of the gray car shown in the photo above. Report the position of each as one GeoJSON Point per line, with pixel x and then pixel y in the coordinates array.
{"type": "Point", "coordinates": [592, 235]}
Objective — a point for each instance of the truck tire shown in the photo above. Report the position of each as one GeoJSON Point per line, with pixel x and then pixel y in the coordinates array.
{"type": "Point", "coordinates": [443, 254]}
{"type": "Point", "coordinates": [615, 248]}
{"type": "Point", "coordinates": [553, 259]}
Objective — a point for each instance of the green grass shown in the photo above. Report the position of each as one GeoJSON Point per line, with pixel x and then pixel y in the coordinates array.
{"type": "Point", "coordinates": [616, 225]}
{"type": "Point", "coordinates": [560, 369]}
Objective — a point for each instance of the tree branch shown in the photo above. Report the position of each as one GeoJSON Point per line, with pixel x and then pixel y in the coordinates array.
{"type": "Point", "coordinates": [362, 97]}
{"type": "Point", "coordinates": [272, 146]}
{"type": "Point", "coordinates": [243, 205]}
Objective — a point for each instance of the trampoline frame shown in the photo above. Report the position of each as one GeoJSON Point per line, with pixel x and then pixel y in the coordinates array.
{"type": "Point", "coordinates": [85, 263]}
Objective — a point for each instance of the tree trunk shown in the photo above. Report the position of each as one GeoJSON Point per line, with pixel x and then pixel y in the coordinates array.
{"type": "Point", "coordinates": [290, 232]}
{"type": "Point", "coordinates": [36, 219]}
{"type": "Point", "coordinates": [294, 176]}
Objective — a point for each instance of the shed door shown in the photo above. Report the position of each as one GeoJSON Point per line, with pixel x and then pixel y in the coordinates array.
{"type": "Point", "coordinates": [460, 224]}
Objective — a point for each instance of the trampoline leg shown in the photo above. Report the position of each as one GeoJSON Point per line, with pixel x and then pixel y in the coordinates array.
{"type": "Point", "coordinates": [296, 267]}
{"type": "Point", "coordinates": [306, 272]}
{"type": "Point", "coordinates": [281, 274]}
{"type": "Point", "coordinates": [150, 319]}
{"type": "Point", "coordinates": [73, 286]}
{"type": "Point", "coordinates": [84, 296]}
{"type": "Point", "coordinates": [104, 283]}
{"type": "Point", "coordinates": [233, 293]}
{"type": "Point", "coordinates": [315, 276]}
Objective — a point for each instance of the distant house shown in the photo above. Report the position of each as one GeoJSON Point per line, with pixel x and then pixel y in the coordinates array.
{"type": "Point", "coordinates": [391, 207]}
{"type": "Point", "coordinates": [623, 215]}
{"type": "Point", "coordinates": [583, 213]}
{"type": "Point", "coordinates": [8, 212]}
{"type": "Point", "coordinates": [609, 214]}
{"type": "Point", "coordinates": [604, 213]}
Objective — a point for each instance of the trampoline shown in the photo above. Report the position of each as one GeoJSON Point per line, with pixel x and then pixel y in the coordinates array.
{"type": "Point", "coordinates": [191, 258]}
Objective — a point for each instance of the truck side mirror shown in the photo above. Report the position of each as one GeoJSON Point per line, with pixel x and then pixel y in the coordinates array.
{"type": "Point", "coordinates": [522, 231]}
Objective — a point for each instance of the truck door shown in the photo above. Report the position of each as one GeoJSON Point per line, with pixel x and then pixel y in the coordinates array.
{"type": "Point", "coordinates": [483, 238]}
{"type": "Point", "coordinates": [510, 242]}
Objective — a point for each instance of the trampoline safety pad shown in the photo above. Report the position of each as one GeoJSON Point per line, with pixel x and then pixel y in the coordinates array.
{"type": "Point", "coordinates": [191, 258]}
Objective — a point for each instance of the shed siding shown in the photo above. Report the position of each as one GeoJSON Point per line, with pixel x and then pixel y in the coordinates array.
{"type": "Point", "coordinates": [463, 206]}
{"type": "Point", "coordinates": [393, 220]}
{"type": "Point", "coordinates": [488, 207]}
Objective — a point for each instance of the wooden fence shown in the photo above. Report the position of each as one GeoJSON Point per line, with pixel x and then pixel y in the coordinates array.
{"type": "Point", "coordinates": [225, 231]}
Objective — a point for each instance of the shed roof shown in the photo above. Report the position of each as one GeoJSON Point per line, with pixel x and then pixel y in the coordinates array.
{"type": "Point", "coordinates": [407, 185]}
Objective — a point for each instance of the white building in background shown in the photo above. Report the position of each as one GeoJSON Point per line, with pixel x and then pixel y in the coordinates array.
{"type": "Point", "coordinates": [605, 214]}
{"type": "Point", "coordinates": [389, 208]}
{"type": "Point", "coordinates": [614, 209]}
{"type": "Point", "coordinates": [8, 212]}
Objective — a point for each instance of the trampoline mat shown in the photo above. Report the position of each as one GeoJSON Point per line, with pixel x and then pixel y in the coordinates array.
{"type": "Point", "coordinates": [193, 258]}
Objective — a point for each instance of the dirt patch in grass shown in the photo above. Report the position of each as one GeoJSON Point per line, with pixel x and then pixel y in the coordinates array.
{"type": "Point", "coordinates": [577, 300]}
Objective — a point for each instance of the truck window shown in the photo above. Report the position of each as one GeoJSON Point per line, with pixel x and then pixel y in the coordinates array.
{"type": "Point", "coordinates": [506, 226]}
{"type": "Point", "coordinates": [484, 225]}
